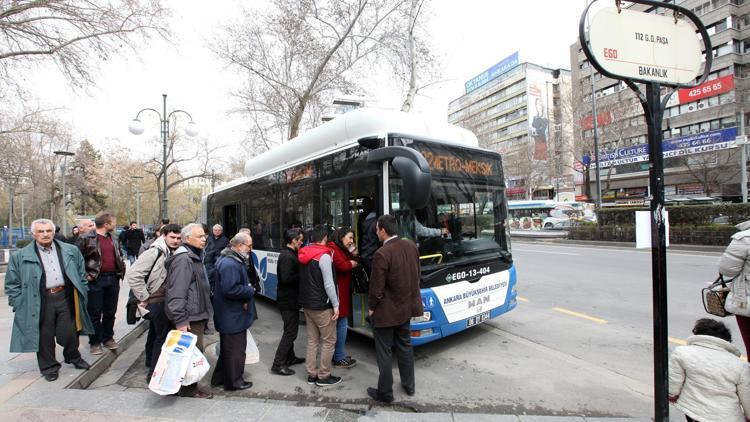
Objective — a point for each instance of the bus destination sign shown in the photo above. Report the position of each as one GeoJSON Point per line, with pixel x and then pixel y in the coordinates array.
{"type": "Point", "coordinates": [449, 163]}
{"type": "Point", "coordinates": [644, 46]}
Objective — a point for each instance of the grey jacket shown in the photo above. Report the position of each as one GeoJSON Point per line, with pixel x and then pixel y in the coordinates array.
{"type": "Point", "coordinates": [188, 293]}
{"type": "Point", "coordinates": [153, 260]}
{"type": "Point", "coordinates": [734, 263]}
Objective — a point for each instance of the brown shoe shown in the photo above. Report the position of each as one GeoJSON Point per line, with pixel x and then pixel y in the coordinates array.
{"type": "Point", "coordinates": [96, 349]}
{"type": "Point", "coordinates": [111, 344]}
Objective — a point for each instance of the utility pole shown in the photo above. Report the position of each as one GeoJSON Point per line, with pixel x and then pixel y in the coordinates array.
{"type": "Point", "coordinates": [596, 141]}
{"type": "Point", "coordinates": [65, 155]}
{"type": "Point", "coordinates": [137, 180]}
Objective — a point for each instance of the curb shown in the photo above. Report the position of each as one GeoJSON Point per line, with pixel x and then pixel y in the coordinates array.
{"type": "Point", "coordinates": [630, 245]}
{"type": "Point", "coordinates": [101, 365]}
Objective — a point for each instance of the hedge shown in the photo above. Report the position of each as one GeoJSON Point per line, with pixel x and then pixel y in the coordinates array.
{"type": "Point", "coordinates": [679, 215]}
{"type": "Point", "coordinates": [715, 234]}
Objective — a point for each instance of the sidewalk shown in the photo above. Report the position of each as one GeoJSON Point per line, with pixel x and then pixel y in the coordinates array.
{"type": "Point", "coordinates": [95, 395]}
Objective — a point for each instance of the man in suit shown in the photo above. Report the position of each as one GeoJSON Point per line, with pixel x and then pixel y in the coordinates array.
{"type": "Point", "coordinates": [394, 299]}
{"type": "Point", "coordinates": [47, 289]}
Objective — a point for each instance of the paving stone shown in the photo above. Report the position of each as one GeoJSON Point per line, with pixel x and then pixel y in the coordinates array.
{"type": "Point", "coordinates": [536, 418]}
{"type": "Point", "coordinates": [389, 416]}
{"type": "Point", "coordinates": [473, 417]}
{"type": "Point", "coordinates": [235, 410]}
{"type": "Point", "coordinates": [295, 414]}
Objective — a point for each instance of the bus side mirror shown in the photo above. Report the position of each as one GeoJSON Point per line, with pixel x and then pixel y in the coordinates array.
{"type": "Point", "coordinates": [413, 169]}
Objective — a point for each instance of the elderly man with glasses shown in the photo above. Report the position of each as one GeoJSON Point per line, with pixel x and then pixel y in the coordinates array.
{"type": "Point", "coordinates": [188, 298]}
{"type": "Point", "coordinates": [233, 312]}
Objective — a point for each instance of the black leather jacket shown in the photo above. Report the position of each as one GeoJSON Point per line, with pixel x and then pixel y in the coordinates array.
{"type": "Point", "coordinates": [92, 255]}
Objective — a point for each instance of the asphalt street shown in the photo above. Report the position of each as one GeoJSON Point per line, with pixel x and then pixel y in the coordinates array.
{"type": "Point", "coordinates": [579, 342]}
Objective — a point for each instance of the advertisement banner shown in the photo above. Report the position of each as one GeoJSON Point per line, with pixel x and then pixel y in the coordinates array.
{"type": "Point", "coordinates": [538, 94]}
{"type": "Point", "coordinates": [675, 147]}
{"type": "Point", "coordinates": [707, 89]}
{"type": "Point", "coordinates": [498, 69]}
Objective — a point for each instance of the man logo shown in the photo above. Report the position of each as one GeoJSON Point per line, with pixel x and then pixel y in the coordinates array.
{"type": "Point", "coordinates": [478, 301]}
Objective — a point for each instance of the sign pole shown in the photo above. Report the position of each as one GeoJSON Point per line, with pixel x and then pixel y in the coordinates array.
{"type": "Point", "coordinates": [654, 112]}
{"type": "Point", "coordinates": [619, 47]}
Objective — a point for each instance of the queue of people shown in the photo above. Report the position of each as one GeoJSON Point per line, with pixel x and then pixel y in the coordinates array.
{"type": "Point", "coordinates": [75, 289]}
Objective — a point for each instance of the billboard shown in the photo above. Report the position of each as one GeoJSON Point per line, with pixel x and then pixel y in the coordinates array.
{"type": "Point", "coordinates": [715, 140]}
{"type": "Point", "coordinates": [538, 93]}
{"type": "Point", "coordinates": [498, 69]}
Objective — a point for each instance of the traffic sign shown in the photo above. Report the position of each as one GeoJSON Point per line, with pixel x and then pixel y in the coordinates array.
{"type": "Point", "coordinates": [644, 46]}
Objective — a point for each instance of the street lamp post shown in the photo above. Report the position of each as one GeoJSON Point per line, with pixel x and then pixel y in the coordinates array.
{"type": "Point", "coordinates": [136, 128]}
{"type": "Point", "coordinates": [137, 199]}
{"type": "Point", "coordinates": [65, 155]}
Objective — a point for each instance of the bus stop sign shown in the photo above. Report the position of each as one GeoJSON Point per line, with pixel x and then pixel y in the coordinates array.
{"type": "Point", "coordinates": [645, 47]}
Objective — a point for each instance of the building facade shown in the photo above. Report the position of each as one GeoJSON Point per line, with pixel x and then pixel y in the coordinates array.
{"type": "Point", "coordinates": [519, 110]}
{"type": "Point", "coordinates": [701, 156]}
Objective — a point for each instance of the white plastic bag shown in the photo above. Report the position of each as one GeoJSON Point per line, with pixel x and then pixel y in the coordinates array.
{"type": "Point", "coordinates": [197, 369]}
{"type": "Point", "coordinates": [175, 357]}
{"type": "Point", "coordinates": [252, 354]}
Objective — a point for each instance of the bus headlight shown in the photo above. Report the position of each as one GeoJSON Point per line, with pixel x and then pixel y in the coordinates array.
{"type": "Point", "coordinates": [426, 316]}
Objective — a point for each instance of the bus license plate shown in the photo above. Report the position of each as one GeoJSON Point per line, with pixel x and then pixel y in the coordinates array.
{"type": "Point", "coordinates": [476, 319]}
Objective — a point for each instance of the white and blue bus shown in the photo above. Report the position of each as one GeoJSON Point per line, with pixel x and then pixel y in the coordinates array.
{"type": "Point", "coordinates": [447, 194]}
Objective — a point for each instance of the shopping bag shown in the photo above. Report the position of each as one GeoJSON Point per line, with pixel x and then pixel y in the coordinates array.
{"type": "Point", "coordinates": [252, 354]}
{"type": "Point", "coordinates": [176, 355]}
{"type": "Point", "coordinates": [197, 369]}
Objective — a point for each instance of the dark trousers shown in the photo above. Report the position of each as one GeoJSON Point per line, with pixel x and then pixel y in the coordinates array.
{"type": "Point", "coordinates": [196, 328]}
{"type": "Point", "coordinates": [149, 349]}
{"type": "Point", "coordinates": [285, 351]}
{"type": "Point", "coordinates": [230, 368]}
{"type": "Point", "coordinates": [102, 307]}
{"type": "Point", "coordinates": [386, 339]}
{"type": "Point", "coordinates": [160, 325]}
{"type": "Point", "coordinates": [743, 323]}
{"type": "Point", "coordinates": [56, 323]}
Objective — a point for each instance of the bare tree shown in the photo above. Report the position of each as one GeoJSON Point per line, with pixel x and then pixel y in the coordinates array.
{"type": "Point", "coordinates": [72, 34]}
{"type": "Point", "coordinates": [712, 169]}
{"type": "Point", "coordinates": [181, 154]}
{"type": "Point", "coordinates": [296, 51]}
{"type": "Point", "coordinates": [413, 63]}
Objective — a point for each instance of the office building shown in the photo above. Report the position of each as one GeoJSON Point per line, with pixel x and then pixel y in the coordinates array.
{"type": "Point", "coordinates": [519, 110]}
{"type": "Point", "coordinates": [701, 158]}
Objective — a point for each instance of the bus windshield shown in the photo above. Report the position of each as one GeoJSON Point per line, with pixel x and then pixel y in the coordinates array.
{"type": "Point", "coordinates": [463, 218]}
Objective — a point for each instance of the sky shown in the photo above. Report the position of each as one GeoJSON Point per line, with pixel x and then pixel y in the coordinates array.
{"type": "Point", "coordinates": [468, 35]}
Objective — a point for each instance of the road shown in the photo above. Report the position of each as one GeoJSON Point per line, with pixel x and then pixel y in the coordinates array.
{"type": "Point", "coordinates": [579, 342]}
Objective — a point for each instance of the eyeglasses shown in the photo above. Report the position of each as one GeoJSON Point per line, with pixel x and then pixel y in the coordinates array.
{"type": "Point", "coordinates": [249, 245]}
{"type": "Point", "coordinates": [203, 236]}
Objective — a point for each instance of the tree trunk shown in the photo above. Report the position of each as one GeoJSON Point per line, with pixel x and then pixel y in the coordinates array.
{"type": "Point", "coordinates": [412, 92]}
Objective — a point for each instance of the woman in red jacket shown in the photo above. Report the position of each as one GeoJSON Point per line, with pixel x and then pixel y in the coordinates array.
{"type": "Point", "coordinates": [344, 259]}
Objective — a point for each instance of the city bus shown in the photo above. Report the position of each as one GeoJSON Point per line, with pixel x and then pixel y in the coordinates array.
{"type": "Point", "coordinates": [548, 214]}
{"type": "Point", "coordinates": [446, 193]}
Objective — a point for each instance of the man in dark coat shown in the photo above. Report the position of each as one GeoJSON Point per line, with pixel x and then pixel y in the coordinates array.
{"type": "Point", "coordinates": [233, 313]}
{"type": "Point", "coordinates": [132, 239]}
{"type": "Point", "coordinates": [47, 290]}
{"type": "Point", "coordinates": [287, 300]}
{"type": "Point", "coordinates": [188, 300]}
{"type": "Point", "coordinates": [216, 243]}
{"type": "Point", "coordinates": [393, 300]}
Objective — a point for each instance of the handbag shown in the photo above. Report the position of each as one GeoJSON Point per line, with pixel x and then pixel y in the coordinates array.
{"type": "Point", "coordinates": [715, 297]}
{"type": "Point", "coordinates": [360, 280]}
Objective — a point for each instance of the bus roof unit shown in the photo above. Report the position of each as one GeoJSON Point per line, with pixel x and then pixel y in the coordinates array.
{"type": "Point", "coordinates": [350, 127]}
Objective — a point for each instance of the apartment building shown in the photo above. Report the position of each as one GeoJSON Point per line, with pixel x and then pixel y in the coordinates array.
{"type": "Point", "coordinates": [701, 157]}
